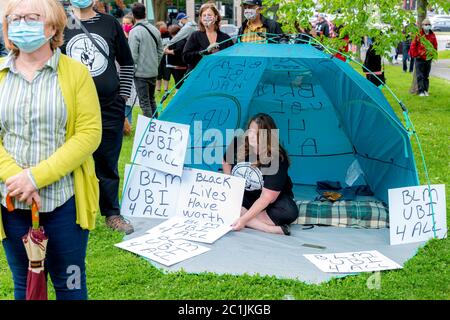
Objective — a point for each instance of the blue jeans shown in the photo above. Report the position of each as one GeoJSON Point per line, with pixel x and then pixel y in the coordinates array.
{"type": "Point", "coordinates": [66, 250]}
{"type": "Point", "coordinates": [129, 113]}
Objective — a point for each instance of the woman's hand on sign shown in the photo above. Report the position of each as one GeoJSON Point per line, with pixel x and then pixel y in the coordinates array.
{"type": "Point", "coordinates": [239, 224]}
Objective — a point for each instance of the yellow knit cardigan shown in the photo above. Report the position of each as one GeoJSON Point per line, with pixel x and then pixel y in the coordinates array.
{"type": "Point", "coordinates": [83, 136]}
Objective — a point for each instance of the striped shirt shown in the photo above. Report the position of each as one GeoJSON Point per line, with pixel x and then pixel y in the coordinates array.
{"type": "Point", "coordinates": [253, 34]}
{"type": "Point", "coordinates": [33, 119]}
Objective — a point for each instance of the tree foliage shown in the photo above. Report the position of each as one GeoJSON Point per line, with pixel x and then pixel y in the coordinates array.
{"type": "Point", "coordinates": [382, 20]}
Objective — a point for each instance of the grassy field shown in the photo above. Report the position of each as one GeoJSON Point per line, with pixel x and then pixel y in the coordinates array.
{"type": "Point", "coordinates": [116, 274]}
{"type": "Point", "coordinates": [444, 54]}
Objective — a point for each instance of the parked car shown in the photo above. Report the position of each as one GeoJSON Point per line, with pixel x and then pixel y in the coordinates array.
{"type": "Point", "coordinates": [231, 30]}
{"type": "Point", "coordinates": [441, 26]}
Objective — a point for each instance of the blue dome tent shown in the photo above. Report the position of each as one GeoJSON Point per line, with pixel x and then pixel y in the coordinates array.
{"type": "Point", "coordinates": [329, 116]}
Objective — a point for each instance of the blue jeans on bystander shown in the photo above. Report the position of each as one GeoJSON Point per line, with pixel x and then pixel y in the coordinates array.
{"type": "Point", "coordinates": [66, 250]}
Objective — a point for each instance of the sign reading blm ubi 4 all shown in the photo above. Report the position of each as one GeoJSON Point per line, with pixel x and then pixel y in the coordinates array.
{"type": "Point", "coordinates": [417, 214]}
{"type": "Point", "coordinates": [160, 145]}
{"type": "Point", "coordinates": [149, 193]}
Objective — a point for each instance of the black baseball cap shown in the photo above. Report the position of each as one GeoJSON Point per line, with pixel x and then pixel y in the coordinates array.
{"type": "Point", "coordinates": [252, 2]}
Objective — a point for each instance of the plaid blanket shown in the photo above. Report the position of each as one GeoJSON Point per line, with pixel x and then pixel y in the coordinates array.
{"type": "Point", "coordinates": [363, 214]}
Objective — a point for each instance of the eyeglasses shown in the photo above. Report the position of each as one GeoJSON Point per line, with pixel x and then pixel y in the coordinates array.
{"type": "Point", "coordinates": [15, 19]}
{"type": "Point", "coordinates": [426, 24]}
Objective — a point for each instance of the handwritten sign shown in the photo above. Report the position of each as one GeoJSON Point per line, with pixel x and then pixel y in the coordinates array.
{"type": "Point", "coordinates": [210, 196]}
{"type": "Point", "coordinates": [150, 193]}
{"type": "Point", "coordinates": [191, 229]}
{"type": "Point", "coordinates": [162, 249]}
{"type": "Point", "coordinates": [163, 145]}
{"type": "Point", "coordinates": [411, 214]}
{"type": "Point", "coordinates": [350, 262]}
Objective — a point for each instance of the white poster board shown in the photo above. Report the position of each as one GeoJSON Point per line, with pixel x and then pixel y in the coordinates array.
{"type": "Point", "coordinates": [149, 193]}
{"type": "Point", "coordinates": [191, 229]}
{"type": "Point", "coordinates": [410, 214]}
{"type": "Point", "coordinates": [350, 262]}
{"type": "Point", "coordinates": [162, 249]}
{"type": "Point", "coordinates": [163, 145]}
{"type": "Point", "coordinates": [210, 196]}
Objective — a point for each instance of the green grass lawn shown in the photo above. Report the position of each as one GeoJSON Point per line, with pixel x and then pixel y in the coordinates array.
{"type": "Point", "coordinates": [116, 274]}
{"type": "Point", "coordinates": [444, 54]}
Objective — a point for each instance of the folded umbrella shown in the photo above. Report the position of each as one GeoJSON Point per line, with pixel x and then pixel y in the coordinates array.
{"type": "Point", "coordinates": [35, 242]}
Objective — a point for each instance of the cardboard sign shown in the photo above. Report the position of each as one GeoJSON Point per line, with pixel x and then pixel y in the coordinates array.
{"type": "Point", "coordinates": [191, 229]}
{"type": "Point", "coordinates": [149, 193]}
{"type": "Point", "coordinates": [162, 249]}
{"type": "Point", "coordinates": [350, 262]}
{"type": "Point", "coordinates": [411, 214]}
{"type": "Point", "coordinates": [160, 145]}
{"type": "Point", "coordinates": [210, 196]}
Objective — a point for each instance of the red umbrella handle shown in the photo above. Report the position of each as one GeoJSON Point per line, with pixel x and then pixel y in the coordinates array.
{"type": "Point", "coordinates": [9, 203]}
{"type": "Point", "coordinates": [34, 211]}
{"type": "Point", "coordinates": [34, 215]}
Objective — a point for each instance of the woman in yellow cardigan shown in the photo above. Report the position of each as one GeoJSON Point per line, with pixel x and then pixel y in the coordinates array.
{"type": "Point", "coordinates": [49, 127]}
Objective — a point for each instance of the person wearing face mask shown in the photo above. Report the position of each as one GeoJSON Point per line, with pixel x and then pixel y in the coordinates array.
{"type": "Point", "coordinates": [209, 39]}
{"type": "Point", "coordinates": [50, 124]}
{"type": "Point", "coordinates": [256, 27]}
{"type": "Point", "coordinates": [187, 28]}
{"type": "Point", "coordinates": [421, 50]}
{"type": "Point", "coordinates": [97, 40]}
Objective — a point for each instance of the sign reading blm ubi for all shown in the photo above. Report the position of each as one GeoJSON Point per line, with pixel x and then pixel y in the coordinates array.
{"type": "Point", "coordinates": [160, 145]}
{"type": "Point", "coordinates": [417, 214]}
{"type": "Point", "coordinates": [150, 193]}
{"type": "Point", "coordinates": [210, 196]}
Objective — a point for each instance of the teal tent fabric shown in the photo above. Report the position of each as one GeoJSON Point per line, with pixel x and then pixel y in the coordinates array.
{"type": "Point", "coordinates": [328, 114]}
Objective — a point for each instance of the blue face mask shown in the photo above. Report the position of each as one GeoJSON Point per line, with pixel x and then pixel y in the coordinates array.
{"type": "Point", "coordinates": [82, 4]}
{"type": "Point", "coordinates": [28, 37]}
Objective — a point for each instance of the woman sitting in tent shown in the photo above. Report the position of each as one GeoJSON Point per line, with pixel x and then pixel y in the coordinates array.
{"type": "Point", "coordinates": [258, 157]}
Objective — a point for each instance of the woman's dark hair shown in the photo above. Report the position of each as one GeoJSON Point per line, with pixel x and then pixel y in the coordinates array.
{"type": "Point", "coordinates": [264, 122]}
{"type": "Point", "coordinates": [138, 10]}
{"type": "Point", "coordinates": [173, 29]}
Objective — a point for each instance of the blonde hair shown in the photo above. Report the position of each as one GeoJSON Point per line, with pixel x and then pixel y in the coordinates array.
{"type": "Point", "coordinates": [54, 16]}
{"type": "Point", "coordinates": [213, 8]}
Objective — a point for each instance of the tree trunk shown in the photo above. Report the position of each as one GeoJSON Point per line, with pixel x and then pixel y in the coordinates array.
{"type": "Point", "coordinates": [421, 11]}
{"type": "Point", "coordinates": [160, 9]}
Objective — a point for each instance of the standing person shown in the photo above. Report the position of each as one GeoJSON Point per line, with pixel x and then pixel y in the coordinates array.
{"type": "Point", "coordinates": [99, 48]}
{"type": "Point", "coordinates": [322, 27]}
{"type": "Point", "coordinates": [187, 28]}
{"type": "Point", "coordinates": [422, 50]}
{"type": "Point", "coordinates": [256, 27]}
{"type": "Point", "coordinates": [406, 45]}
{"type": "Point", "coordinates": [127, 24]}
{"type": "Point", "coordinates": [208, 39]}
{"type": "Point", "coordinates": [373, 63]}
{"type": "Point", "coordinates": [147, 50]}
{"type": "Point", "coordinates": [49, 127]}
{"type": "Point", "coordinates": [174, 54]}
{"type": "Point", "coordinates": [163, 72]}
{"type": "Point", "coordinates": [268, 204]}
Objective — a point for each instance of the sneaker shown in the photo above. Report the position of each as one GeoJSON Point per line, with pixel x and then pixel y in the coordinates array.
{"type": "Point", "coordinates": [426, 93]}
{"type": "Point", "coordinates": [118, 223]}
{"type": "Point", "coordinates": [422, 94]}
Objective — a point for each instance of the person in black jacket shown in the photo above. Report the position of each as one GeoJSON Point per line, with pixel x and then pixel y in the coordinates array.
{"type": "Point", "coordinates": [256, 27]}
{"type": "Point", "coordinates": [113, 89]}
{"type": "Point", "coordinates": [373, 63]}
{"type": "Point", "coordinates": [174, 57]}
{"type": "Point", "coordinates": [2, 44]}
{"type": "Point", "coordinates": [208, 39]}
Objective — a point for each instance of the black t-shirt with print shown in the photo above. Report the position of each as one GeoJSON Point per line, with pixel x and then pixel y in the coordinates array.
{"type": "Point", "coordinates": [255, 179]}
{"type": "Point", "coordinates": [108, 33]}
